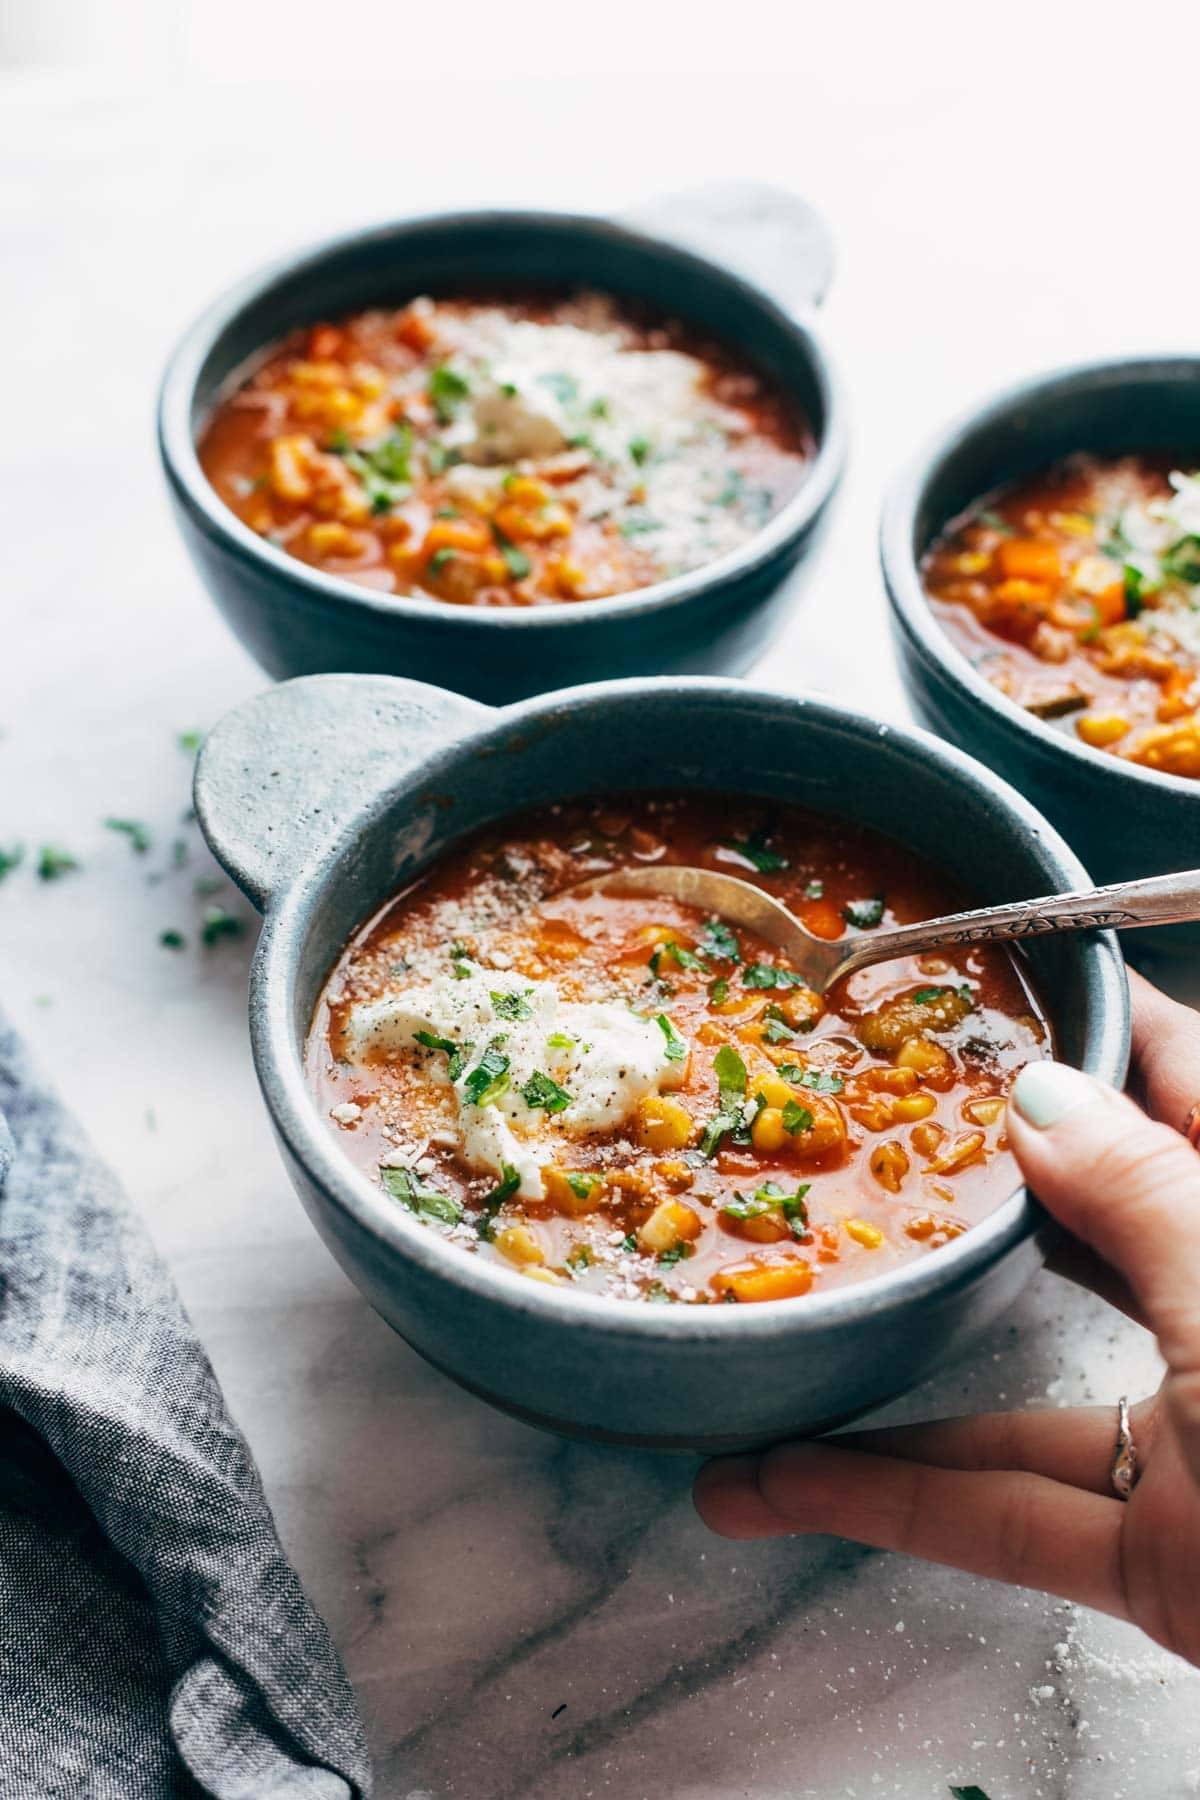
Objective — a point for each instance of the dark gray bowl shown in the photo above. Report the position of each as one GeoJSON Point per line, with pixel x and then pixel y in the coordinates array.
{"type": "Point", "coordinates": [322, 796]}
{"type": "Point", "coordinates": [297, 620]}
{"type": "Point", "coordinates": [1124, 821]}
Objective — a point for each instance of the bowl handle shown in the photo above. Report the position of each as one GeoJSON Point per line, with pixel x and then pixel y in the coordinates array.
{"type": "Point", "coordinates": [283, 771]}
{"type": "Point", "coordinates": [766, 233]}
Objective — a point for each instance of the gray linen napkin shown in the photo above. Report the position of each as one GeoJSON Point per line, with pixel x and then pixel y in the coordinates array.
{"type": "Point", "coordinates": [154, 1640]}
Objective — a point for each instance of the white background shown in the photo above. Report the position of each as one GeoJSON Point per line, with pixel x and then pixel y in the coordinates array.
{"type": "Point", "coordinates": [1010, 188]}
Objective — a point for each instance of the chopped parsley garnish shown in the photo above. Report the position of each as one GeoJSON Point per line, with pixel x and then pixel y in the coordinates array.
{"type": "Point", "coordinates": [769, 975]}
{"type": "Point", "coordinates": [440, 558]}
{"type": "Point", "coordinates": [457, 1053]}
{"type": "Point", "coordinates": [218, 924]}
{"type": "Point", "coordinates": [582, 1186]}
{"type": "Point", "coordinates": [511, 1006]}
{"type": "Point", "coordinates": [718, 990]}
{"type": "Point", "coordinates": [558, 1040]}
{"type": "Point", "coordinates": [137, 833]}
{"type": "Point", "coordinates": [427, 1202]}
{"type": "Point", "coordinates": [172, 940]}
{"type": "Point", "coordinates": [541, 1091]}
{"type": "Point", "coordinates": [385, 470]}
{"type": "Point", "coordinates": [770, 1197]}
{"type": "Point", "coordinates": [757, 852]}
{"type": "Point", "coordinates": [864, 915]}
{"type": "Point", "coordinates": [53, 863]}
{"type": "Point", "coordinates": [719, 942]}
{"type": "Point", "coordinates": [968, 1793]}
{"type": "Point", "coordinates": [11, 859]}
{"type": "Point", "coordinates": [677, 1253]}
{"type": "Point", "coordinates": [489, 1078]}
{"type": "Point", "coordinates": [639, 450]}
{"type": "Point", "coordinates": [628, 1242]}
{"type": "Point", "coordinates": [516, 562]}
{"type": "Point", "coordinates": [796, 1117]}
{"type": "Point", "coordinates": [819, 1081]}
{"type": "Point", "coordinates": [447, 389]}
{"type": "Point", "coordinates": [776, 1029]}
{"type": "Point", "coordinates": [579, 1259]}
{"type": "Point", "coordinates": [687, 959]}
{"type": "Point", "coordinates": [677, 1050]}
{"type": "Point", "coordinates": [599, 407]}
{"type": "Point", "coordinates": [814, 890]}
{"type": "Point", "coordinates": [1182, 561]}
{"type": "Point", "coordinates": [491, 1203]}
{"type": "Point", "coordinates": [730, 1071]}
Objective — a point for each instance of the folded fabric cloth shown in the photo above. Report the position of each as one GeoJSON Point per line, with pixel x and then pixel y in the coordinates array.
{"type": "Point", "coordinates": [154, 1640]}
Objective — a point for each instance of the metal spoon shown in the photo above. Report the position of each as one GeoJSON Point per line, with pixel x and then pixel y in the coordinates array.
{"type": "Point", "coordinates": [1159, 900]}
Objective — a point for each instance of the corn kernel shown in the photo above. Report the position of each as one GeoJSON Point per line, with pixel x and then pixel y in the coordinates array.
{"type": "Point", "coordinates": [926, 1138]}
{"type": "Point", "coordinates": [967, 1148]}
{"type": "Point", "coordinates": [663, 1124]}
{"type": "Point", "coordinates": [869, 1236]}
{"type": "Point", "coordinates": [1101, 729]}
{"type": "Point", "coordinates": [931, 1062]}
{"type": "Point", "coordinates": [572, 1194]}
{"type": "Point", "coordinates": [519, 1245]}
{"type": "Point", "coordinates": [984, 1111]}
{"type": "Point", "coordinates": [670, 1223]}
{"type": "Point", "coordinates": [889, 1165]}
{"type": "Point", "coordinates": [913, 1106]}
{"type": "Point", "coordinates": [768, 1133]}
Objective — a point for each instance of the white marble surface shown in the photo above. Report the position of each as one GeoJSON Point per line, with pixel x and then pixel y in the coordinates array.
{"type": "Point", "coordinates": [524, 1617]}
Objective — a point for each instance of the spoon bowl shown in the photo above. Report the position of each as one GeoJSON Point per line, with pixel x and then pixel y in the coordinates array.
{"type": "Point", "coordinates": [1158, 900]}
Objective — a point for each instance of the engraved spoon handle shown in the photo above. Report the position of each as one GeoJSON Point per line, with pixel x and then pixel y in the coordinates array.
{"type": "Point", "coordinates": [1157, 900]}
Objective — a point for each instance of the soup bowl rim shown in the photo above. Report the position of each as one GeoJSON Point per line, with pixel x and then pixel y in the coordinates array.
{"type": "Point", "coordinates": [280, 1058]}
{"type": "Point", "coordinates": [178, 429]}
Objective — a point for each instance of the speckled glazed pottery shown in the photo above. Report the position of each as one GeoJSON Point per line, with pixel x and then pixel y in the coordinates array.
{"type": "Point", "coordinates": [324, 795]}
{"type": "Point", "coordinates": [1124, 821]}
{"type": "Point", "coordinates": [772, 264]}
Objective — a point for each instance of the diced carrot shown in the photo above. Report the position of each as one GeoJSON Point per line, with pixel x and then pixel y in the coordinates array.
{"type": "Point", "coordinates": [1029, 559]}
{"type": "Point", "coordinates": [822, 918]}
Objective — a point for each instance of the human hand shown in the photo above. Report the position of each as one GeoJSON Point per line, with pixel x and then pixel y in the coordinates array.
{"type": "Point", "coordinates": [1026, 1497]}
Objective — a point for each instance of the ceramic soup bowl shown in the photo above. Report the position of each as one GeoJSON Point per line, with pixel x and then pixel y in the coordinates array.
{"type": "Point", "coordinates": [1123, 820]}
{"type": "Point", "coordinates": [767, 265]}
{"type": "Point", "coordinates": [323, 796]}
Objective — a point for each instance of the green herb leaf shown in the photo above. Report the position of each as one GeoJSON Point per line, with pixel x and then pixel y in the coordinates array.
{"type": "Point", "coordinates": [511, 1006]}
{"type": "Point", "coordinates": [541, 1091]}
{"type": "Point", "coordinates": [730, 1071]}
{"type": "Point", "coordinates": [427, 1202]}
{"type": "Point", "coordinates": [718, 990]}
{"type": "Point", "coordinates": [440, 558]}
{"type": "Point", "coordinates": [677, 1253]}
{"type": "Point", "coordinates": [677, 1050]}
{"type": "Point", "coordinates": [820, 1081]}
{"type": "Point", "coordinates": [757, 852]}
{"type": "Point", "coordinates": [1182, 561]}
{"type": "Point", "coordinates": [639, 450]}
{"type": "Point", "coordinates": [770, 1197]}
{"type": "Point", "coordinates": [776, 1029]}
{"type": "Point", "coordinates": [137, 833]}
{"type": "Point", "coordinates": [968, 1793]}
{"type": "Point", "coordinates": [218, 924]}
{"type": "Point", "coordinates": [457, 1053]}
{"type": "Point", "coordinates": [516, 562]}
{"type": "Point", "coordinates": [54, 863]}
{"type": "Point", "coordinates": [864, 915]}
{"type": "Point", "coordinates": [189, 741]}
{"type": "Point", "coordinates": [579, 1259]}
{"type": "Point", "coordinates": [687, 959]}
{"type": "Point", "coordinates": [489, 1078]}
{"type": "Point", "coordinates": [447, 390]}
{"type": "Point", "coordinates": [582, 1186]}
{"type": "Point", "coordinates": [172, 940]}
{"type": "Point", "coordinates": [491, 1203]}
{"type": "Point", "coordinates": [11, 859]}
{"type": "Point", "coordinates": [558, 1040]}
{"type": "Point", "coordinates": [719, 942]}
{"type": "Point", "coordinates": [796, 1117]}
{"type": "Point", "coordinates": [769, 975]}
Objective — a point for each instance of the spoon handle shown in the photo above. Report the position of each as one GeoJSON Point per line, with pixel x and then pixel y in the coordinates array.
{"type": "Point", "coordinates": [1157, 900]}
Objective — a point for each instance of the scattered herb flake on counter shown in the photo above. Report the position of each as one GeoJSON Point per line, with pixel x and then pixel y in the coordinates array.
{"type": "Point", "coordinates": [189, 741]}
{"type": "Point", "coordinates": [137, 833]}
{"type": "Point", "coordinates": [53, 863]}
{"type": "Point", "coordinates": [11, 859]}
{"type": "Point", "coordinates": [427, 1202]}
{"type": "Point", "coordinates": [968, 1793]}
{"type": "Point", "coordinates": [172, 940]}
{"type": "Point", "coordinates": [218, 924]}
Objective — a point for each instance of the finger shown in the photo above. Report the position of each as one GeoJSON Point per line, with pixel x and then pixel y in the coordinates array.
{"type": "Point", "coordinates": [1010, 1527]}
{"type": "Point", "coordinates": [1075, 1447]}
{"type": "Point", "coordinates": [1166, 1053]}
{"type": "Point", "coordinates": [1079, 1263]}
{"type": "Point", "coordinates": [1130, 1189]}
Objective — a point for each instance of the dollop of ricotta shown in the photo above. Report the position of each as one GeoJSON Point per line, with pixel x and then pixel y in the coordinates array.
{"type": "Point", "coordinates": [604, 1057]}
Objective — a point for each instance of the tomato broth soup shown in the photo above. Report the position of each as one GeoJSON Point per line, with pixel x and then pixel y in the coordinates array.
{"type": "Point", "coordinates": [1077, 594]}
{"type": "Point", "coordinates": [504, 452]}
{"type": "Point", "coordinates": [623, 1095]}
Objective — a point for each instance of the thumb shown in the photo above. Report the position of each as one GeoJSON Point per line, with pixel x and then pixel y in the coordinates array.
{"type": "Point", "coordinates": [1131, 1189]}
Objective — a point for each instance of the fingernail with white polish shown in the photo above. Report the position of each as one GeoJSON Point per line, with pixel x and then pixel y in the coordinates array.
{"type": "Point", "coordinates": [1045, 1092]}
